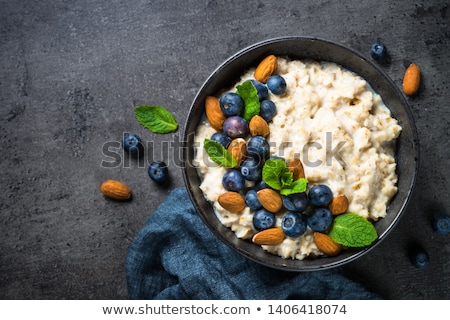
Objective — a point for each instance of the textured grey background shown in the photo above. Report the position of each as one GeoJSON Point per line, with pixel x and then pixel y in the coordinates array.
{"type": "Point", "coordinates": [71, 72]}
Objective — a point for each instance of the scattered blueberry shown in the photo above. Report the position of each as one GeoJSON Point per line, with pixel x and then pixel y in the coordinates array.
{"type": "Point", "coordinates": [158, 172]}
{"type": "Point", "coordinates": [251, 169]}
{"type": "Point", "coordinates": [233, 180]}
{"type": "Point", "coordinates": [258, 147]}
{"type": "Point", "coordinates": [231, 104]}
{"type": "Point", "coordinates": [293, 224]}
{"type": "Point", "coordinates": [276, 84]}
{"type": "Point", "coordinates": [441, 223]}
{"type": "Point", "coordinates": [320, 219]}
{"type": "Point", "coordinates": [222, 138]}
{"type": "Point", "coordinates": [263, 92]}
{"type": "Point", "coordinates": [263, 219]}
{"type": "Point", "coordinates": [268, 110]}
{"type": "Point", "coordinates": [251, 200]}
{"type": "Point", "coordinates": [132, 143]}
{"type": "Point", "coordinates": [297, 202]}
{"type": "Point", "coordinates": [320, 195]}
{"type": "Point", "coordinates": [419, 258]}
{"type": "Point", "coordinates": [236, 127]}
{"type": "Point", "coordinates": [378, 51]}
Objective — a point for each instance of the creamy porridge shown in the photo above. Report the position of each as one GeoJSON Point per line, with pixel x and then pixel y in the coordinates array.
{"type": "Point", "coordinates": [339, 128]}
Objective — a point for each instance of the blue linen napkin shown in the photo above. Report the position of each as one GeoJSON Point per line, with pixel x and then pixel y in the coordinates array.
{"type": "Point", "coordinates": [175, 256]}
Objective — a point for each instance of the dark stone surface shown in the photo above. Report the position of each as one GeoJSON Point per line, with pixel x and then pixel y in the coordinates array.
{"type": "Point", "coordinates": [71, 73]}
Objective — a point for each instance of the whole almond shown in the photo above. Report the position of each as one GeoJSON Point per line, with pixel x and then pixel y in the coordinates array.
{"type": "Point", "coordinates": [270, 200]}
{"type": "Point", "coordinates": [325, 244]}
{"type": "Point", "coordinates": [266, 68]}
{"type": "Point", "coordinates": [296, 167]}
{"type": "Point", "coordinates": [339, 204]}
{"type": "Point", "coordinates": [214, 113]}
{"type": "Point", "coordinates": [271, 236]}
{"type": "Point", "coordinates": [115, 190]}
{"type": "Point", "coordinates": [411, 79]}
{"type": "Point", "coordinates": [258, 127]}
{"type": "Point", "coordinates": [232, 201]}
{"type": "Point", "coordinates": [238, 148]}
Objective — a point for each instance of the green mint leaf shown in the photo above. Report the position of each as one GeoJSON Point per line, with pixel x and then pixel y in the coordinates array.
{"type": "Point", "coordinates": [277, 176]}
{"type": "Point", "coordinates": [156, 119]}
{"type": "Point", "coordinates": [249, 94]}
{"type": "Point", "coordinates": [287, 178]}
{"type": "Point", "coordinates": [297, 186]}
{"type": "Point", "coordinates": [219, 154]}
{"type": "Point", "coordinates": [352, 230]}
{"type": "Point", "coordinates": [272, 172]}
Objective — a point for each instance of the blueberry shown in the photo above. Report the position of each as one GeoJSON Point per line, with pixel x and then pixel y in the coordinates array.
{"type": "Point", "coordinates": [320, 219]}
{"type": "Point", "coordinates": [222, 138]}
{"type": "Point", "coordinates": [158, 172]}
{"type": "Point", "coordinates": [251, 200]}
{"type": "Point", "coordinates": [263, 219]}
{"type": "Point", "coordinates": [441, 223]}
{"type": "Point", "coordinates": [378, 51]}
{"type": "Point", "coordinates": [132, 143]}
{"type": "Point", "coordinates": [258, 147]}
{"type": "Point", "coordinates": [276, 84]}
{"type": "Point", "coordinates": [251, 169]}
{"type": "Point", "coordinates": [231, 104]}
{"type": "Point", "coordinates": [275, 157]}
{"type": "Point", "coordinates": [233, 180]}
{"type": "Point", "coordinates": [268, 110]}
{"type": "Point", "coordinates": [297, 202]}
{"type": "Point", "coordinates": [419, 258]}
{"type": "Point", "coordinates": [261, 185]}
{"type": "Point", "coordinates": [320, 195]}
{"type": "Point", "coordinates": [262, 90]}
{"type": "Point", "coordinates": [236, 127]}
{"type": "Point", "coordinates": [287, 203]}
{"type": "Point", "coordinates": [293, 224]}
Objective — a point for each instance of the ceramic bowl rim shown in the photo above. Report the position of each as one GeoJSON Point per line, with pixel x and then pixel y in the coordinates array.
{"type": "Point", "coordinates": [242, 246]}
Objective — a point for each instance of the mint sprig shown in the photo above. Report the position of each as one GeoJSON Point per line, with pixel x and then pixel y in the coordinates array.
{"type": "Point", "coordinates": [277, 176]}
{"type": "Point", "coordinates": [297, 186]}
{"type": "Point", "coordinates": [272, 172]}
{"type": "Point", "coordinates": [156, 119]}
{"type": "Point", "coordinates": [352, 230]}
{"type": "Point", "coordinates": [249, 94]}
{"type": "Point", "coordinates": [219, 154]}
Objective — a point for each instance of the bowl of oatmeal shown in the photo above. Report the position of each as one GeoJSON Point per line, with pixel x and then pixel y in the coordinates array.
{"type": "Point", "coordinates": [299, 153]}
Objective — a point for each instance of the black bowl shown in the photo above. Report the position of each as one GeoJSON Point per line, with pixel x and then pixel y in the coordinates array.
{"type": "Point", "coordinates": [229, 73]}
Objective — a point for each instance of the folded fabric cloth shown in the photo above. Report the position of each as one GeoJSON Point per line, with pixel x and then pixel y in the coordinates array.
{"type": "Point", "coordinates": [175, 256]}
